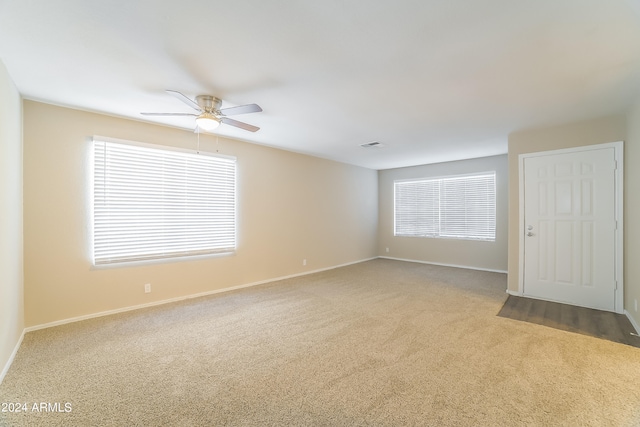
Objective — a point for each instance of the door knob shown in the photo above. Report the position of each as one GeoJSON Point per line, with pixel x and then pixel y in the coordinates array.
{"type": "Point", "coordinates": [529, 234]}
{"type": "Point", "coordinates": [529, 227]}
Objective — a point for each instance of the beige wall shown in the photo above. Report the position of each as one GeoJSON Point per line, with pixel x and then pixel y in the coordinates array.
{"type": "Point", "coordinates": [11, 257]}
{"type": "Point", "coordinates": [597, 131]}
{"type": "Point", "coordinates": [632, 214]}
{"type": "Point", "coordinates": [290, 207]}
{"type": "Point", "coordinates": [464, 253]}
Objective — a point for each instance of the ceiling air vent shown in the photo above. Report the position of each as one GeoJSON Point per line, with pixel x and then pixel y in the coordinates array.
{"type": "Point", "coordinates": [371, 144]}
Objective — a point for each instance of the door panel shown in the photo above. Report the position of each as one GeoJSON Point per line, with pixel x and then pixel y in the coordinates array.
{"type": "Point", "coordinates": [569, 214]}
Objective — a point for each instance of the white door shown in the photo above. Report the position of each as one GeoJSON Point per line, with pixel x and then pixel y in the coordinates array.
{"type": "Point", "coordinates": [570, 228]}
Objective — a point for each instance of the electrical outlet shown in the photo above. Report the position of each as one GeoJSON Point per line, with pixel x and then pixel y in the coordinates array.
{"type": "Point", "coordinates": [147, 288]}
{"type": "Point", "coordinates": [304, 262]}
{"type": "Point", "coordinates": [387, 249]}
{"type": "Point", "coordinates": [635, 304]}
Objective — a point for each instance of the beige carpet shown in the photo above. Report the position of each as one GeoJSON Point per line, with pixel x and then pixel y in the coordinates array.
{"type": "Point", "coordinates": [381, 343]}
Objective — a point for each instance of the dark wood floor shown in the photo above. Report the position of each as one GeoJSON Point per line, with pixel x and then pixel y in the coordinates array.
{"type": "Point", "coordinates": [586, 321]}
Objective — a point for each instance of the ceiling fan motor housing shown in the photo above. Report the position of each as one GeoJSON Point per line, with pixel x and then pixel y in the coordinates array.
{"type": "Point", "coordinates": [209, 103]}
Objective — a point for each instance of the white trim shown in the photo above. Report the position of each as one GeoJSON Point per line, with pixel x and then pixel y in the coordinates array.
{"type": "Point", "coordinates": [440, 177]}
{"type": "Point", "coordinates": [161, 147]}
{"type": "Point", "coordinates": [514, 293]}
{"type": "Point", "coordinates": [633, 322]}
{"type": "Point", "coordinates": [13, 356]}
{"type": "Point", "coordinates": [466, 267]}
{"type": "Point", "coordinates": [155, 261]}
{"type": "Point", "coordinates": [182, 298]}
{"type": "Point", "coordinates": [618, 148]}
{"type": "Point", "coordinates": [616, 144]}
{"type": "Point", "coordinates": [520, 224]}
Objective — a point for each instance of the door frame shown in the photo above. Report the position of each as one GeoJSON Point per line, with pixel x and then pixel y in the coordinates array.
{"type": "Point", "coordinates": [619, 197]}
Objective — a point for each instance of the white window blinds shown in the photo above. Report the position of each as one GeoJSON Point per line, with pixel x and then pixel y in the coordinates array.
{"type": "Point", "coordinates": [152, 203]}
{"type": "Point", "coordinates": [460, 207]}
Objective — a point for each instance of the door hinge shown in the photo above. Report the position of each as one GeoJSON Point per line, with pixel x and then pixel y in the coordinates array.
{"type": "Point", "coordinates": [615, 285]}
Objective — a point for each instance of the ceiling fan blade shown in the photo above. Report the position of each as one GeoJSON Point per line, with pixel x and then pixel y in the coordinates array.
{"type": "Point", "coordinates": [241, 125]}
{"type": "Point", "coordinates": [182, 97]}
{"type": "Point", "coordinates": [169, 114]}
{"type": "Point", "coordinates": [241, 109]}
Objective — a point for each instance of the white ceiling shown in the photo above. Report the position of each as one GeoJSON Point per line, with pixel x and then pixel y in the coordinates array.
{"type": "Point", "coordinates": [432, 80]}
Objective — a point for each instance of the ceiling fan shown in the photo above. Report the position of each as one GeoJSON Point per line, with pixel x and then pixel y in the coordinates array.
{"type": "Point", "coordinates": [209, 115]}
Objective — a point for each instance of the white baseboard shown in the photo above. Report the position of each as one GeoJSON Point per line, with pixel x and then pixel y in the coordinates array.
{"type": "Point", "coordinates": [445, 265]}
{"type": "Point", "coordinates": [13, 356]}
{"type": "Point", "coordinates": [182, 298]}
{"type": "Point", "coordinates": [514, 293]}
{"type": "Point", "coordinates": [633, 322]}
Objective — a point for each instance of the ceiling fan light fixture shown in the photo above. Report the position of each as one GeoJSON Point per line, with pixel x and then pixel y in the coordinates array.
{"type": "Point", "coordinates": [207, 121]}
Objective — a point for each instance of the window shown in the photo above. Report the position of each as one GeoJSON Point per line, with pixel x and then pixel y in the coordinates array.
{"type": "Point", "coordinates": [457, 207]}
{"type": "Point", "coordinates": [157, 203]}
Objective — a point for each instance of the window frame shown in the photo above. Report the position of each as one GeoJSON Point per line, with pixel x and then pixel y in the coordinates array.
{"type": "Point", "coordinates": [439, 234]}
{"type": "Point", "coordinates": [148, 258]}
